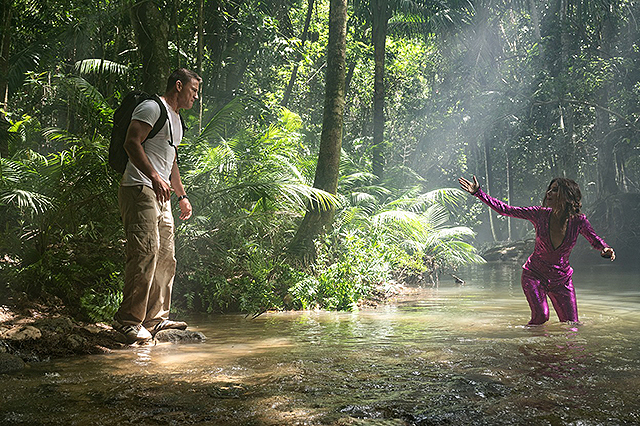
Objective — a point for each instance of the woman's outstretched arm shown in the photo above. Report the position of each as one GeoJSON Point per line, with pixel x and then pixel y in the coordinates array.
{"type": "Point", "coordinates": [502, 208]}
{"type": "Point", "coordinates": [596, 242]}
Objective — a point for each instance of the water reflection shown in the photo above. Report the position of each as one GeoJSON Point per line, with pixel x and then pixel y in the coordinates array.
{"type": "Point", "coordinates": [452, 355]}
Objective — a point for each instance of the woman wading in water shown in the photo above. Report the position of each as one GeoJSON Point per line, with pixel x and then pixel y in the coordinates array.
{"type": "Point", "coordinates": [557, 222]}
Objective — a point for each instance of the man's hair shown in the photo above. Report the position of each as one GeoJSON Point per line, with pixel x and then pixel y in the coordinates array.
{"type": "Point", "coordinates": [568, 193]}
{"type": "Point", "coordinates": [182, 74]}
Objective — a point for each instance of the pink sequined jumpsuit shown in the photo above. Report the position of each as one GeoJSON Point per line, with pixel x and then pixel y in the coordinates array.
{"type": "Point", "coordinates": [547, 271]}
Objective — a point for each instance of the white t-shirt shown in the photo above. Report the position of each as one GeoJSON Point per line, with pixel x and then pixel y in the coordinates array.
{"type": "Point", "coordinates": [158, 149]}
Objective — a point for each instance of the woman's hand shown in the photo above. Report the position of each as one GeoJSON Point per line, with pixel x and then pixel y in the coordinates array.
{"type": "Point", "coordinates": [470, 187]}
{"type": "Point", "coordinates": [608, 252]}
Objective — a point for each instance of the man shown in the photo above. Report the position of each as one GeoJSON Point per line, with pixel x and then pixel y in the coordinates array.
{"type": "Point", "coordinates": [144, 200]}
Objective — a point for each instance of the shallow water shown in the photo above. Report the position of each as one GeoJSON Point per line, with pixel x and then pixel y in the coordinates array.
{"type": "Point", "coordinates": [451, 355]}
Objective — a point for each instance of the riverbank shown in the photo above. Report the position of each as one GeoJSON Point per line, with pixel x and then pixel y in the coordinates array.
{"type": "Point", "coordinates": [39, 331]}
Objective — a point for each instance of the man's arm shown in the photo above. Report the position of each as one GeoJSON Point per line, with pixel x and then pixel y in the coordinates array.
{"type": "Point", "coordinates": [136, 135]}
{"type": "Point", "coordinates": [176, 183]}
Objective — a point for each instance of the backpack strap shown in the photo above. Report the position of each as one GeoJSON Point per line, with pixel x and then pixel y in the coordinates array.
{"type": "Point", "coordinates": [184, 125]}
{"type": "Point", "coordinates": [164, 116]}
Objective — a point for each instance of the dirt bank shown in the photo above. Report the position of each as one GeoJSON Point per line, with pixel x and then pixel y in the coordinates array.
{"type": "Point", "coordinates": [37, 331]}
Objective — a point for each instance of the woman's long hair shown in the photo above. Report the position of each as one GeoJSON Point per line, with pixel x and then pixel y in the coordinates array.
{"type": "Point", "coordinates": [568, 193]}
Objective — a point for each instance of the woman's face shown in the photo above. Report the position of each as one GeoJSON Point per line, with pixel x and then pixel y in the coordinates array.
{"type": "Point", "coordinates": [553, 196]}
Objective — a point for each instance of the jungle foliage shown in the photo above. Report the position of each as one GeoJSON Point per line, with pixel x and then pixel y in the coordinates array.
{"type": "Point", "coordinates": [514, 92]}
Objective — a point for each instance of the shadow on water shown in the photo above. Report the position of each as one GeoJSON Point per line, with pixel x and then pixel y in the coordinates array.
{"type": "Point", "coordinates": [452, 355]}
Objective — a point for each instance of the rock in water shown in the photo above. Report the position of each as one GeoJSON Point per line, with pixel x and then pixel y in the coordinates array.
{"type": "Point", "coordinates": [180, 336]}
{"type": "Point", "coordinates": [9, 363]}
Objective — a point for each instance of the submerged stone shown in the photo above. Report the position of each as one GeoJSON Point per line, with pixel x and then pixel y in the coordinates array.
{"type": "Point", "coordinates": [180, 336]}
{"type": "Point", "coordinates": [10, 363]}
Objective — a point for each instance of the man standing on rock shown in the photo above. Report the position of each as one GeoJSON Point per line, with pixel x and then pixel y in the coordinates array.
{"type": "Point", "coordinates": [144, 199]}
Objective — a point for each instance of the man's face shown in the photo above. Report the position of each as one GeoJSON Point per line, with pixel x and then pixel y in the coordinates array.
{"type": "Point", "coordinates": [187, 93]}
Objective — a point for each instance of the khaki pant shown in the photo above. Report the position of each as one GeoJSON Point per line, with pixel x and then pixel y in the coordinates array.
{"type": "Point", "coordinates": [150, 262]}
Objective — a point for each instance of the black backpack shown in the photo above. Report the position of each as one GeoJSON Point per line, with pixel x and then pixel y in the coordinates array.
{"type": "Point", "coordinates": [118, 157]}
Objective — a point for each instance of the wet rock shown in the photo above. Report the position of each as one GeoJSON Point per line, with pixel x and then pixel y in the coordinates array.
{"type": "Point", "coordinates": [3, 331]}
{"type": "Point", "coordinates": [180, 336]}
{"type": "Point", "coordinates": [76, 342]}
{"type": "Point", "coordinates": [119, 338]}
{"type": "Point", "coordinates": [10, 363]}
{"type": "Point", "coordinates": [57, 325]}
{"type": "Point", "coordinates": [23, 332]}
{"type": "Point", "coordinates": [95, 328]}
{"type": "Point", "coordinates": [362, 412]}
{"type": "Point", "coordinates": [509, 251]}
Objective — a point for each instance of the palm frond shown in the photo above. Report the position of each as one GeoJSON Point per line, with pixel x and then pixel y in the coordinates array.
{"type": "Point", "coordinates": [57, 134]}
{"type": "Point", "coordinates": [363, 199]}
{"type": "Point", "coordinates": [358, 178]}
{"type": "Point", "coordinates": [22, 62]}
{"type": "Point", "coordinates": [436, 216]}
{"type": "Point", "coordinates": [101, 66]}
{"type": "Point", "coordinates": [445, 196]}
{"type": "Point", "coordinates": [11, 172]}
{"type": "Point", "coordinates": [353, 216]}
{"type": "Point", "coordinates": [457, 253]}
{"type": "Point", "coordinates": [91, 95]}
{"type": "Point", "coordinates": [456, 232]}
{"type": "Point", "coordinates": [407, 222]}
{"type": "Point", "coordinates": [226, 116]}
{"type": "Point", "coordinates": [26, 200]}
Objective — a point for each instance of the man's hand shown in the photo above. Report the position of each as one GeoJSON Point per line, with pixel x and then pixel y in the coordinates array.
{"type": "Point", "coordinates": [161, 188]}
{"type": "Point", "coordinates": [185, 209]}
{"type": "Point", "coordinates": [470, 187]}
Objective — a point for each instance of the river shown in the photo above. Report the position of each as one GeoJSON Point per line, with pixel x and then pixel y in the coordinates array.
{"type": "Point", "coordinates": [453, 355]}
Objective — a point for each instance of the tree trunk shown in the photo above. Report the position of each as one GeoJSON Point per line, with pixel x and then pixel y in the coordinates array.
{"type": "Point", "coordinates": [303, 38]}
{"type": "Point", "coordinates": [317, 220]}
{"type": "Point", "coordinates": [236, 59]}
{"type": "Point", "coordinates": [176, 31]}
{"type": "Point", "coordinates": [509, 194]}
{"type": "Point", "coordinates": [620, 173]}
{"type": "Point", "coordinates": [606, 165]}
{"type": "Point", "coordinates": [200, 57]}
{"type": "Point", "coordinates": [535, 19]}
{"type": "Point", "coordinates": [487, 165]}
{"type": "Point", "coordinates": [568, 162]}
{"type": "Point", "coordinates": [380, 16]}
{"type": "Point", "coordinates": [152, 34]}
{"type": "Point", "coordinates": [5, 45]}
{"type": "Point", "coordinates": [347, 80]}
{"type": "Point", "coordinates": [567, 149]}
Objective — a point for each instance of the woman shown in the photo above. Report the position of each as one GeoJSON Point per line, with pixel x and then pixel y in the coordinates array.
{"type": "Point", "coordinates": [557, 222]}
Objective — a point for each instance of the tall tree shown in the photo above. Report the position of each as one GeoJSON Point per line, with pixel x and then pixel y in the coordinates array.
{"type": "Point", "coordinates": [606, 139]}
{"type": "Point", "coordinates": [5, 43]}
{"type": "Point", "coordinates": [152, 34]}
{"type": "Point", "coordinates": [380, 15]}
{"type": "Point", "coordinates": [303, 39]}
{"type": "Point", "coordinates": [200, 57]}
{"type": "Point", "coordinates": [319, 216]}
